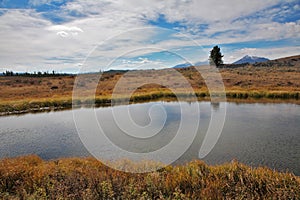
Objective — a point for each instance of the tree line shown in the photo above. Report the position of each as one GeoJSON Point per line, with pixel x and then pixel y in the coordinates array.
{"type": "Point", "coordinates": [33, 74]}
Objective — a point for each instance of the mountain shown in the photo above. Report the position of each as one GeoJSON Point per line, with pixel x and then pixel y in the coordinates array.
{"type": "Point", "coordinates": [182, 65]}
{"type": "Point", "coordinates": [281, 62]}
{"type": "Point", "coordinates": [251, 60]}
{"type": "Point", "coordinates": [187, 64]}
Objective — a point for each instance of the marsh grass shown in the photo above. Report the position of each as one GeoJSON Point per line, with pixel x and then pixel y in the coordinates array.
{"type": "Point", "coordinates": [17, 107]}
{"type": "Point", "coordinates": [29, 177]}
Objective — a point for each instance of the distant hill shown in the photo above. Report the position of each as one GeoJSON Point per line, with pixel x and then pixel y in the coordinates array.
{"type": "Point", "coordinates": [182, 65]}
{"type": "Point", "coordinates": [187, 64]}
{"type": "Point", "coordinates": [251, 60]}
{"type": "Point", "coordinates": [293, 59]}
{"type": "Point", "coordinates": [286, 61]}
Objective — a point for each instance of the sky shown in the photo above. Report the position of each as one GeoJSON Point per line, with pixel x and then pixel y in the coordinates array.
{"type": "Point", "coordinates": [92, 35]}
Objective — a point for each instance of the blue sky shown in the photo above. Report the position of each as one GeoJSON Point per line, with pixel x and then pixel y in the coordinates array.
{"type": "Point", "coordinates": [66, 35]}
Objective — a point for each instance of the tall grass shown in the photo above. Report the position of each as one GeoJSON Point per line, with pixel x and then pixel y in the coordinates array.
{"type": "Point", "coordinates": [30, 177]}
{"type": "Point", "coordinates": [34, 106]}
{"type": "Point", "coordinates": [12, 107]}
{"type": "Point", "coordinates": [263, 94]}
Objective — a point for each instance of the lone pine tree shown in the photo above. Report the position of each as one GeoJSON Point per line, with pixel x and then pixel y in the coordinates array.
{"type": "Point", "coordinates": [215, 57]}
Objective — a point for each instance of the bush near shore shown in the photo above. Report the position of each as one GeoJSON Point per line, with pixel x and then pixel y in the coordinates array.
{"type": "Point", "coordinates": [30, 177]}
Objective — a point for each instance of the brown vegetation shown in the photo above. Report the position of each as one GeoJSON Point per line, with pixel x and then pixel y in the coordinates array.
{"type": "Point", "coordinates": [278, 79]}
{"type": "Point", "coordinates": [86, 178]}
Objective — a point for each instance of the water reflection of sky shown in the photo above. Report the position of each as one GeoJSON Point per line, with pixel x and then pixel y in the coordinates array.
{"type": "Point", "coordinates": [256, 134]}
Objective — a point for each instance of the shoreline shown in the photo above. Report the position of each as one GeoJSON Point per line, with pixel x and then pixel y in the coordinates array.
{"type": "Point", "coordinates": [48, 105]}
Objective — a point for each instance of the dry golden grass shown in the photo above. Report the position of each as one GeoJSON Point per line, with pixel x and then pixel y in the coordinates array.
{"type": "Point", "coordinates": [30, 177]}
{"type": "Point", "coordinates": [246, 83]}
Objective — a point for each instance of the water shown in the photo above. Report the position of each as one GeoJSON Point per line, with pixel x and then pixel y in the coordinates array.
{"type": "Point", "coordinates": [255, 134]}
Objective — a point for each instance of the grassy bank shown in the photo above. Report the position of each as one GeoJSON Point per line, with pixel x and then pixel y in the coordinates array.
{"type": "Point", "coordinates": [21, 94]}
{"type": "Point", "coordinates": [86, 178]}
{"type": "Point", "coordinates": [39, 105]}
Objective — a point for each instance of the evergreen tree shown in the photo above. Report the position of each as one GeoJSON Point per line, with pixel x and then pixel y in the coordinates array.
{"type": "Point", "coordinates": [215, 57]}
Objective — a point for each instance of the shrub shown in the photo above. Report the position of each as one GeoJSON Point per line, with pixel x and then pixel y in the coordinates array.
{"type": "Point", "coordinates": [30, 177]}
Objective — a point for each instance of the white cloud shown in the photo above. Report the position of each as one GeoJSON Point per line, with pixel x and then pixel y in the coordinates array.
{"type": "Point", "coordinates": [29, 39]}
{"type": "Point", "coordinates": [41, 2]}
{"type": "Point", "coordinates": [65, 31]}
{"type": "Point", "coordinates": [65, 28]}
{"type": "Point", "coordinates": [241, 32]}
{"type": "Point", "coordinates": [139, 63]}
{"type": "Point", "coordinates": [62, 33]}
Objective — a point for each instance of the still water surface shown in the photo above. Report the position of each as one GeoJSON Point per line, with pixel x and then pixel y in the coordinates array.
{"type": "Point", "coordinates": [255, 134]}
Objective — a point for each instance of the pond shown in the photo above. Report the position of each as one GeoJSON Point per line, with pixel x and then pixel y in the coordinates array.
{"type": "Point", "coordinates": [255, 134]}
